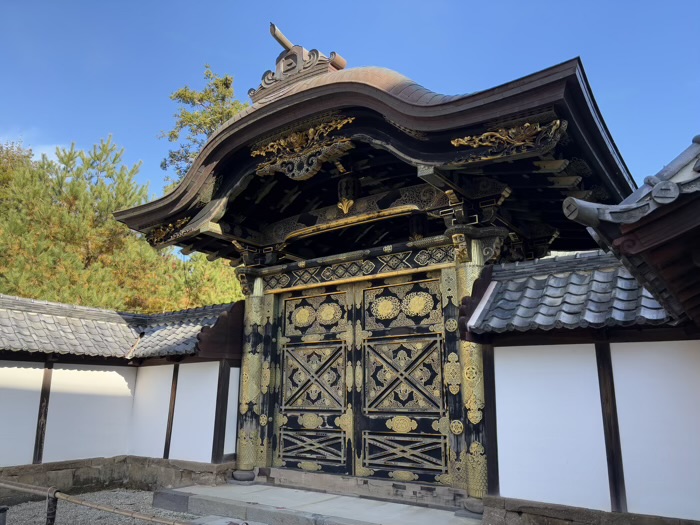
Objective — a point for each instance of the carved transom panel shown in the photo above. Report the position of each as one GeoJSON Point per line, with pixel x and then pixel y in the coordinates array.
{"type": "Point", "coordinates": [403, 376]}
{"type": "Point", "coordinates": [412, 304]}
{"type": "Point", "coordinates": [316, 315]}
{"type": "Point", "coordinates": [314, 378]}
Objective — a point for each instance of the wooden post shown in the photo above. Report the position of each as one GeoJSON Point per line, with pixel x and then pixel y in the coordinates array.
{"type": "Point", "coordinates": [43, 413]}
{"type": "Point", "coordinates": [217, 448]}
{"type": "Point", "coordinates": [171, 412]}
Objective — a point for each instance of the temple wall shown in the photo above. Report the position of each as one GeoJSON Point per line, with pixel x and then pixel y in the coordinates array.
{"type": "Point", "coordinates": [89, 412]}
{"type": "Point", "coordinates": [193, 420]}
{"type": "Point", "coordinates": [20, 388]}
{"type": "Point", "coordinates": [551, 445]}
{"type": "Point", "coordinates": [657, 386]}
{"type": "Point", "coordinates": [149, 417]}
{"type": "Point", "coordinates": [232, 412]}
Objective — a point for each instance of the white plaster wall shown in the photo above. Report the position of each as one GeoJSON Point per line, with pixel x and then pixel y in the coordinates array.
{"type": "Point", "coordinates": [657, 386]}
{"type": "Point", "coordinates": [195, 404]}
{"type": "Point", "coordinates": [89, 412]}
{"type": "Point", "coordinates": [149, 417]}
{"type": "Point", "coordinates": [20, 389]}
{"type": "Point", "coordinates": [232, 412]}
{"type": "Point", "coordinates": [551, 446]}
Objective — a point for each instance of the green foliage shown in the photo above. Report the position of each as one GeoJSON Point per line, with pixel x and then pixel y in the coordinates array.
{"type": "Point", "coordinates": [199, 115]}
{"type": "Point", "coordinates": [59, 241]}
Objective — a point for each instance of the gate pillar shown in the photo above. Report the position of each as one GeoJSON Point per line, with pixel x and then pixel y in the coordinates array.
{"type": "Point", "coordinates": [255, 384]}
{"type": "Point", "coordinates": [469, 266]}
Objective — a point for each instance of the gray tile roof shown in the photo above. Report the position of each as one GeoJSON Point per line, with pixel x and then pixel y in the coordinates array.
{"type": "Point", "coordinates": [590, 289]}
{"type": "Point", "coordinates": [44, 327]}
{"type": "Point", "coordinates": [176, 333]}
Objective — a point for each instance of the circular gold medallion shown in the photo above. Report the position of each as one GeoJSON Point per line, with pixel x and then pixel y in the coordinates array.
{"type": "Point", "coordinates": [385, 307]}
{"type": "Point", "coordinates": [329, 313]}
{"type": "Point", "coordinates": [304, 316]}
{"type": "Point", "coordinates": [456, 427]}
{"type": "Point", "coordinates": [417, 304]}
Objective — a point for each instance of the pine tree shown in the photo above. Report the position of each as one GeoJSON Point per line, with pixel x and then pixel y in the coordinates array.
{"type": "Point", "coordinates": [199, 115]}
{"type": "Point", "coordinates": [59, 241]}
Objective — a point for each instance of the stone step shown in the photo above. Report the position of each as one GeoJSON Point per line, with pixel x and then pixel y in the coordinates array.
{"type": "Point", "coordinates": [433, 496]}
{"type": "Point", "coordinates": [285, 506]}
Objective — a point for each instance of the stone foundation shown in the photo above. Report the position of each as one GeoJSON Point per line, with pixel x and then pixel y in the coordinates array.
{"type": "Point", "coordinates": [433, 496]}
{"type": "Point", "coordinates": [88, 475]}
{"type": "Point", "coordinates": [508, 511]}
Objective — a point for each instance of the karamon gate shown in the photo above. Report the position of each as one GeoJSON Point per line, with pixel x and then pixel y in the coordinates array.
{"type": "Point", "coordinates": [361, 210]}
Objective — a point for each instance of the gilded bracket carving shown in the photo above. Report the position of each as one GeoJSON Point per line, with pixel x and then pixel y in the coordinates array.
{"type": "Point", "coordinates": [300, 154]}
{"type": "Point", "coordinates": [518, 140]}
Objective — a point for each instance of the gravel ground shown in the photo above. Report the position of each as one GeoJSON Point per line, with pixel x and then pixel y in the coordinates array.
{"type": "Point", "coordinates": [34, 512]}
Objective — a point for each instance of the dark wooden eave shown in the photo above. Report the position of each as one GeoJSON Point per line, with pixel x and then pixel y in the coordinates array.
{"type": "Point", "coordinates": [562, 89]}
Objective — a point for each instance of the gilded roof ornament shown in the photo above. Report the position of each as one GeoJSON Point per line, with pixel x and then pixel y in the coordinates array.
{"type": "Point", "coordinates": [293, 64]}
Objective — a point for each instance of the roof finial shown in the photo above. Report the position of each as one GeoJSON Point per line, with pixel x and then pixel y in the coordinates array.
{"type": "Point", "coordinates": [279, 36]}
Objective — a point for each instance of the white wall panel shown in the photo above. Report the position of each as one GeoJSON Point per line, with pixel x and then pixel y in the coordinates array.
{"type": "Point", "coordinates": [20, 389]}
{"type": "Point", "coordinates": [89, 412]}
{"type": "Point", "coordinates": [149, 417]}
{"type": "Point", "coordinates": [657, 386]}
{"type": "Point", "coordinates": [232, 412]}
{"type": "Point", "coordinates": [195, 404]}
{"type": "Point", "coordinates": [551, 446]}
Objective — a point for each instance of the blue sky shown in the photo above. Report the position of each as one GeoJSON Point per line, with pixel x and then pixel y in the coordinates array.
{"type": "Point", "coordinates": [77, 71]}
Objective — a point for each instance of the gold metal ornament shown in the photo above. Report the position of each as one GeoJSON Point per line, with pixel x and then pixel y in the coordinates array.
{"type": "Point", "coordinates": [386, 308]}
{"type": "Point", "coordinates": [477, 476]}
{"type": "Point", "coordinates": [310, 421]}
{"type": "Point", "coordinates": [301, 154]}
{"type": "Point", "coordinates": [265, 377]}
{"type": "Point", "coordinates": [453, 373]}
{"type": "Point", "coordinates": [442, 425]}
{"type": "Point", "coordinates": [403, 475]}
{"type": "Point", "coordinates": [518, 140]}
{"type": "Point", "coordinates": [456, 427]}
{"type": "Point", "coordinates": [309, 466]}
{"type": "Point", "coordinates": [329, 314]}
{"type": "Point", "coordinates": [401, 424]}
{"type": "Point", "coordinates": [451, 325]}
{"type": "Point", "coordinates": [263, 420]}
{"type": "Point", "coordinates": [304, 316]}
{"type": "Point", "coordinates": [417, 304]}
{"type": "Point", "coordinates": [345, 205]}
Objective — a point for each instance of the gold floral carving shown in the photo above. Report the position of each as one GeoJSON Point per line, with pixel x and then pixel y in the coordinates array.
{"type": "Point", "coordinates": [385, 308]}
{"type": "Point", "coordinates": [417, 304]}
{"type": "Point", "coordinates": [456, 427]}
{"type": "Point", "coordinates": [164, 233]}
{"type": "Point", "coordinates": [329, 314]}
{"type": "Point", "coordinates": [403, 475]}
{"type": "Point", "coordinates": [517, 140]}
{"type": "Point", "coordinates": [453, 373]}
{"type": "Point", "coordinates": [247, 449]}
{"type": "Point", "coordinates": [300, 154]}
{"type": "Point", "coordinates": [477, 477]}
{"type": "Point", "coordinates": [345, 205]}
{"type": "Point", "coordinates": [309, 465]}
{"type": "Point", "coordinates": [250, 382]}
{"type": "Point", "coordinates": [401, 424]}
{"type": "Point", "coordinates": [473, 381]}
{"type": "Point", "coordinates": [310, 421]}
{"type": "Point", "coordinates": [457, 469]}
{"type": "Point", "coordinates": [304, 316]}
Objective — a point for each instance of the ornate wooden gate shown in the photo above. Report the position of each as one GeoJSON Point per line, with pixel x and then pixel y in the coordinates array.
{"type": "Point", "coordinates": [362, 386]}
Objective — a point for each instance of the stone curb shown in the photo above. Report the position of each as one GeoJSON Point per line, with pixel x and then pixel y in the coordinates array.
{"type": "Point", "coordinates": [251, 512]}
